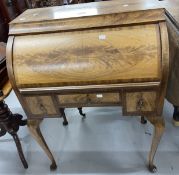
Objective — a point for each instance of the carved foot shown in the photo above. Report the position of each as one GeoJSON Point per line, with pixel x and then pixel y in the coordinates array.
{"type": "Point", "coordinates": [53, 167]}
{"type": "Point", "coordinates": [152, 168]}
{"type": "Point", "coordinates": [143, 120]}
{"type": "Point", "coordinates": [65, 123]}
{"type": "Point", "coordinates": [81, 113]}
{"type": "Point", "coordinates": [34, 129]}
{"type": "Point", "coordinates": [159, 126]}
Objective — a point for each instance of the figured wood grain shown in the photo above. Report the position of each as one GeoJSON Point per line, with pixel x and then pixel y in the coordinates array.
{"type": "Point", "coordinates": [103, 56]}
{"type": "Point", "coordinates": [92, 98]}
{"type": "Point", "coordinates": [133, 101]}
{"type": "Point", "coordinates": [72, 99]}
{"type": "Point", "coordinates": [41, 105]}
{"type": "Point", "coordinates": [113, 50]}
{"type": "Point", "coordinates": [113, 19]}
{"type": "Point", "coordinates": [83, 10]}
{"type": "Point", "coordinates": [32, 21]}
{"type": "Point", "coordinates": [165, 66]}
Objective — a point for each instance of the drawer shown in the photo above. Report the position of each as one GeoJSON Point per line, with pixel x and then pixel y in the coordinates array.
{"type": "Point", "coordinates": [140, 102]}
{"type": "Point", "coordinates": [89, 99]}
{"type": "Point", "coordinates": [40, 105]}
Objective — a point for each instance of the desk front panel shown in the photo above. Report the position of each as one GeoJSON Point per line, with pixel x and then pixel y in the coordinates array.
{"type": "Point", "coordinates": [137, 102]}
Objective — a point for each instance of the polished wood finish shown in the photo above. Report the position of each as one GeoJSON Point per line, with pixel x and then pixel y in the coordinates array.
{"type": "Point", "coordinates": [84, 50]}
{"type": "Point", "coordinates": [159, 126]}
{"type": "Point", "coordinates": [98, 99]}
{"type": "Point", "coordinates": [34, 128]}
{"type": "Point", "coordinates": [72, 99]}
{"type": "Point", "coordinates": [85, 22]}
{"type": "Point", "coordinates": [41, 105]}
{"type": "Point", "coordinates": [137, 102]}
{"type": "Point", "coordinates": [109, 55]}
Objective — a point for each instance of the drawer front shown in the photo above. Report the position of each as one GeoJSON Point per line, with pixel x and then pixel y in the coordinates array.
{"type": "Point", "coordinates": [89, 99]}
{"type": "Point", "coordinates": [41, 105]}
{"type": "Point", "coordinates": [140, 102]}
{"type": "Point", "coordinates": [72, 99]}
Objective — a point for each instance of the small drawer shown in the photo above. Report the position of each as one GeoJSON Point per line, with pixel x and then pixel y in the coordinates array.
{"type": "Point", "coordinates": [41, 105]}
{"type": "Point", "coordinates": [140, 102]}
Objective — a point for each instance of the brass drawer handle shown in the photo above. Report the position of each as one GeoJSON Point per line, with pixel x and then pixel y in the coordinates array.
{"type": "Point", "coordinates": [140, 104]}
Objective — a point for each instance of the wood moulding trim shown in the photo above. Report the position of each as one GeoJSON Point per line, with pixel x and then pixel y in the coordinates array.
{"type": "Point", "coordinates": [118, 19]}
{"type": "Point", "coordinates": [165, 66]}
{"type": "Point", "coordinates": [88, 87]}
{"type": "Point", "coordinates": [9, 63]}
{"type": "Point", "coordinates": [172, 19]}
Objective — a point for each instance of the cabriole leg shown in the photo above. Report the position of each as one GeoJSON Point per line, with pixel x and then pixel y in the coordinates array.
{"type": "Point", "coordinates": [65, 121]}
{"type": "Point", "coordinates": [34, 129]}
{"type": "Point", "coordinates": [159, 126]}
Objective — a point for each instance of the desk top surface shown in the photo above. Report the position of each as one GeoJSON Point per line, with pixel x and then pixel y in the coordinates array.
{"type": "Point", "coordinates": [93, 9]}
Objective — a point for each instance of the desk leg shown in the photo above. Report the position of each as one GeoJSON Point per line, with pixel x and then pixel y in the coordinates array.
{"type": "Point", "coordinates": [159, 126]}
{"type": "Point", "coordinates": [34, 129]}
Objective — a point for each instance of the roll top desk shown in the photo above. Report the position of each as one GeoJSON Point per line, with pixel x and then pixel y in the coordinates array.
{"type": "Point", "coordinates": [96, 54]}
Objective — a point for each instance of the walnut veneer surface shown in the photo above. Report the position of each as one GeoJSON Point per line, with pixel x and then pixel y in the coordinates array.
{"type": "Point", "coordinates": [96, 54]}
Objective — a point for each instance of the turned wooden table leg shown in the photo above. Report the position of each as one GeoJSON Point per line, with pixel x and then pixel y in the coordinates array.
{"type": "Point", "coordinates": [81, 113]}
{"type": "Point", "coordinates": [65, 121]}
{"type": "Point", "coordinates": [10, 123]}
{"type": "Point", "coordinates": [19, 148]}
{"type": "Point", "coordinates": [159, 126]}
{"type": "Point", "coordinates": [34, 129]}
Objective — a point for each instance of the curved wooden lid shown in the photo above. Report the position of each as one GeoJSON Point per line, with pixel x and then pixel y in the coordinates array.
{"type": "Point", "coordinates": [91, 57]}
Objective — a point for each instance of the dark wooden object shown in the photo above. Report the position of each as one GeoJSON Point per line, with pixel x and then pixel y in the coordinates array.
{"type": "Point", "coordinates": [10, 123]}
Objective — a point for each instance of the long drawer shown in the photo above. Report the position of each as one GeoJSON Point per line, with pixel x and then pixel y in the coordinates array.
{"type": "Point", "coordinates": [89, 99]}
